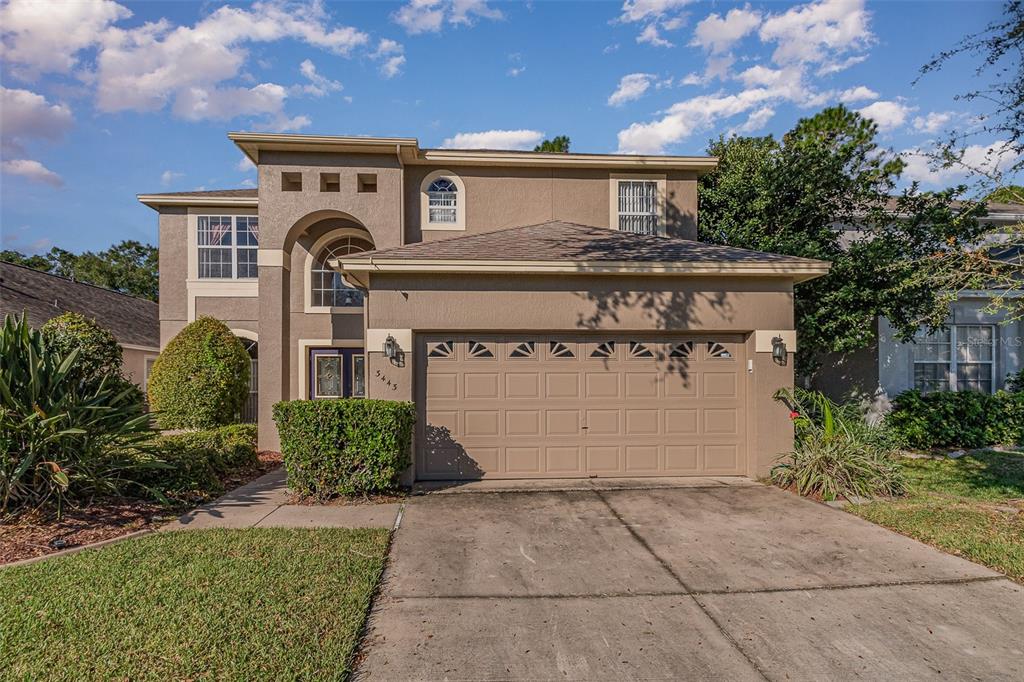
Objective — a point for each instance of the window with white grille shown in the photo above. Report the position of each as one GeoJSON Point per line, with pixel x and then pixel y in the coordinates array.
{"type": "Point", "coordinates": [227, 247]}
{"type": "Point", "coordinates": [639, 209]}
{"type": "Point", "coordinates": [958, 358]}
{"type": "Point", "coordinates": [328, 288]}
{"type": "Point", "coordinates": [443, 201]}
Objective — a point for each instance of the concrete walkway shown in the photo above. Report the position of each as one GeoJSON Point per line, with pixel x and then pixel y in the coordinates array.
{"type": "Point", "coordinates": [262, 504]}
{"type": "Point", "coordinates": [707, 580]}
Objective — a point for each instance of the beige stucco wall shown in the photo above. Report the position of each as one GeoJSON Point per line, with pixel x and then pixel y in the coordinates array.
{"type": "Point", "coordinates": [133, 363]}
{"type": "Point", "coordinates": [488, 303]}
{"type": "Point", "coordinates": [498, 197]}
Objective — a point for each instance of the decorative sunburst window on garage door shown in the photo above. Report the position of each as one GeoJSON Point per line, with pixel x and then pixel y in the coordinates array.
{"type": "Point", "coordinates": [639, 350]}
{"type": "Point", "coordinates": [560, 350]}
{"type": "Point", "coordinates": [603, 350]}
{"type": "Point", "coordinates": [445, 349]}
{"type": "Point", "coordinates": [681, 350]}
{"type": "Point", "coordinates": [526, 349]}
{"type": "Point", "coordinates": [479, 350]}
{"type": "Point", "coordinates": [717, 351]}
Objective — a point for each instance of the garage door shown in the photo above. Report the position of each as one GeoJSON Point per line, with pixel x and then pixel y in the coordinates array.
{"type": "Point", "coordinates": [576, 406]}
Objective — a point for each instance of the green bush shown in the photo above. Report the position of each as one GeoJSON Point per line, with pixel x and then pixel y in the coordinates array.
{"type": "Point", "coordinates": [99, 354]}
{"type": "Point", "coordinates": [201, 379]}
{"type": "Point", "coordinates": [837, 453]}
{"type": "Point", "coordinates": [198, 460]}
{"type": "Point", "coordinates": [964, 419]}
{"type": "Point", "coordinates": [61, 437]}
{"type": "Point", "coordinates": [344, 447]}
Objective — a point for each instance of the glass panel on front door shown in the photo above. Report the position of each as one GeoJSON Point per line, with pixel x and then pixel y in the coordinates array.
{"type": "Point", "coordinates": [337, 373]}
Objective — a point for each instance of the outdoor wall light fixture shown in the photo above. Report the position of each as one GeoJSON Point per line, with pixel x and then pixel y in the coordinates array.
{"type": "Point", "coordinates": [390, 347]}
{"type": "Point", "coordinates": [779, 350]}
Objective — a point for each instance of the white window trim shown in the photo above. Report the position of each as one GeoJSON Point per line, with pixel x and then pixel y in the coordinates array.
{"type": "Point", "coordinates": [460, 204]}
{"type": "Point", "coordinates": [307, 285]}
{"type": "Point", "coordinates": [194, 247]}
{"type": "Point", "coordinates": [613, 196]}
{"type": "Point", "coordinates": [954, 361]}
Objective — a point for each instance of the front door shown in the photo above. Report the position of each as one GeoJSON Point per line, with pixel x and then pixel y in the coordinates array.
{"type": "Point", "coordinates": [337, 373]}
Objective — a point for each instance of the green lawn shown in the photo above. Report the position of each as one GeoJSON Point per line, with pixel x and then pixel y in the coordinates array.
{"type": "Point", "coordinates": [972, 507]}
{"type": "Point", "coordinates": [211, 604]}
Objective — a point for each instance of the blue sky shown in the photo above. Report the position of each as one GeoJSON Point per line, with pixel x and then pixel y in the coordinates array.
{"type": "Point", "coordinates": [103, 100]}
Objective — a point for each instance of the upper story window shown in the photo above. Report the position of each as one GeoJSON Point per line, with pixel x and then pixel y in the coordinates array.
{"type": "Point", "coordinates": [227, 247]}
{"type": "Point", "coordinates": [639, 206]}
{"type": "Point", "coordinates": [443, 201]}
{"type": "Point", "coordinates": [443, 198]}
{"type": "Point", "coordinates": [328, 289]}
{"type": "Point", "coordinates": [958, 358]}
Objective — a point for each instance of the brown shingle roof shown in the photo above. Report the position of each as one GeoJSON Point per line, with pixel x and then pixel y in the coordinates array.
{"type": "Point", "coordinates": [226, 193]}
{"type": "Point", "coordinates": [562, 241]}
{"type": "Point", "coordinates": [41, 295]}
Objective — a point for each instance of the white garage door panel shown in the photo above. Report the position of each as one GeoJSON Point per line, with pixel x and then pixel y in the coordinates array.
{"type": "Point", "coordinates": [567, 406]}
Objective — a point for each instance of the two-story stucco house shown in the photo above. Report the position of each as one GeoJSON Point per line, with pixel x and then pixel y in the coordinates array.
{"type": "Point", "coordinates": [550, 314]}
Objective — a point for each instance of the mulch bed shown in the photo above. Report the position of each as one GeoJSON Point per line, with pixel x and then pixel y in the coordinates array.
{"type": "Point", "coordinates": [345, 501]}
{"type": "Point", "coordinates": [40, 532]}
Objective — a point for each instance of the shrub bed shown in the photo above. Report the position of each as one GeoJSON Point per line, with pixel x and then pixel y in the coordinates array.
{"type": "Point", "coordinates": [344, 447]}
{"type": "Point", "coordinates": [963, 419]}
{"type": "Point", "coordinates": [201, 379]}
{"type": "Point", "coordinates": [197, 460]}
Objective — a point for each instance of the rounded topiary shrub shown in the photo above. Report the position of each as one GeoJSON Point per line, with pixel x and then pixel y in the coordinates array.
{"type": "Point", "coordinates": [201, 379]}
{"type": "Point", "coordinates": [98, 351]}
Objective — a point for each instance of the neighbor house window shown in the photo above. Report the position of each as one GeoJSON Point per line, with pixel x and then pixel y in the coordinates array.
{"type": "Point", "coordinates": [328, 289]}
{"type": "Point", "coordinates": [958, 358]}
{"type": "Point", "coordinates": [639, 210]}
{"type": "Point", "coordinates": [443, 201]}
{"type": "Point", "coordinates": [228, 246]}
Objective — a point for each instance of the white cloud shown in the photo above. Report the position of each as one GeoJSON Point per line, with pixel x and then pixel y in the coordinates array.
{"type": "Point", "coordinates": [32, 170]}
{"type": "Point", "coordinates": [248, 182]}
{"type": "Point", "coordinates": [27, 115]}
{"type": "Point", "coordinates": [393, 55]}
{"type": "Point", "coordinates": [495, 139]}
{"type": "Point", "coordinates": [516, 71]}
{"type": "Point", "coordinates": [631, 87]}
{"type": "Point", "coordinates": [983, 158]}
{"type": "Point", "coordinates": [818, 32]}
{"type": "Point", "coordinates": [717, 34]}
{"type": "Point", "coordinates": [857, 94]}
{"type": "Point", "coordinates": [429, 16]}
{"type": "Point", "coordinates": [318, 85]}
{"type": "Point", "coordinates": [655, 15]}
{"type": "Point", "coordinates": [932, 122]}
{"type": "Point", "coordinates": [245, 165]}
{"type": "Point", "coordinates": [223, 104]}
{"type": "Point", "coordinates": [43, 37]}
{"type": "Point", "coordinates": [755, 122]}
{"type": "Point", "coordinates": [887, 114]}
{"type": "Point", "coordinates": [168, 177]}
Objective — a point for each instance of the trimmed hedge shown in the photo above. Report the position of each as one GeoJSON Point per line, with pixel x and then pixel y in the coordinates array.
{"type": "Point", "coordinates": [201, 379]}
{"type": "Point", "coordinates": [199, 459]}
{"type": "Point", "coordinates": [964, 419]}
{"type": "Point", "coordinates": [351, 446]}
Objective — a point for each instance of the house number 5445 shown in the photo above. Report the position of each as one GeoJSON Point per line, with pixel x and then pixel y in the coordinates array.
{"type": "Point", "coordinates": [384, 380]}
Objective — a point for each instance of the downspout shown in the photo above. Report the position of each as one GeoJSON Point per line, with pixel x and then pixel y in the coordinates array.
{"type": "Point", "coordinates": [401, 196]}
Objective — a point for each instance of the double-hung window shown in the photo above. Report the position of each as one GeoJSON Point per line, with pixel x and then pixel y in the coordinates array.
{"type": "Point", "coordinates": [639, 209]}
{"type": "Point", "coordinates": [958, 358]}
{"type": "Point", "coordinates": [227, 247]}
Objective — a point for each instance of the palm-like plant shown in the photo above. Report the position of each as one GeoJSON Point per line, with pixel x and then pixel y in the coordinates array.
{"type": "Point", "coordinates": [837, 452]}
{"type": "Point", "coordinates": [59, 436]}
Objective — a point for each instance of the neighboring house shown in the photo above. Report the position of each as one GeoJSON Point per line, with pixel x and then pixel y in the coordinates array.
{"type": "Point", "coordinates": [134, 322]}
{"type": "Point", "coordinates": [548, 313]}
{"type": "Point", "coordinates": [975, 352]}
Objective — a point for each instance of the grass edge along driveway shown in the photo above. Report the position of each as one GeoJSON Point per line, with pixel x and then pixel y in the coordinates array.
{"type": "Point", "coordinates": [972, 507]}
{"type": "Point", "coordinates": [258, 603]}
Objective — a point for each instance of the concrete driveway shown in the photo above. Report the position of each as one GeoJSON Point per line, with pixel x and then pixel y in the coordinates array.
{"type": "Point", "coordinates": [710, 579]}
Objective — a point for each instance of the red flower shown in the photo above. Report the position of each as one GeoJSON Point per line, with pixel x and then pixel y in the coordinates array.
{"type": "Point", "coordinates": [794, 414]}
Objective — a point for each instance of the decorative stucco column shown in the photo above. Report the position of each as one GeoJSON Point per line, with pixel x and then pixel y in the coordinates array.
{"type": "Point", "coordinates": [274, 376]}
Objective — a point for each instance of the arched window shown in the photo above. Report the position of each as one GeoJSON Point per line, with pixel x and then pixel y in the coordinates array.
{"type": "Point", "coordinates": [328, 289]}
{"type": "Point", "coordinates": [443, 201]}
